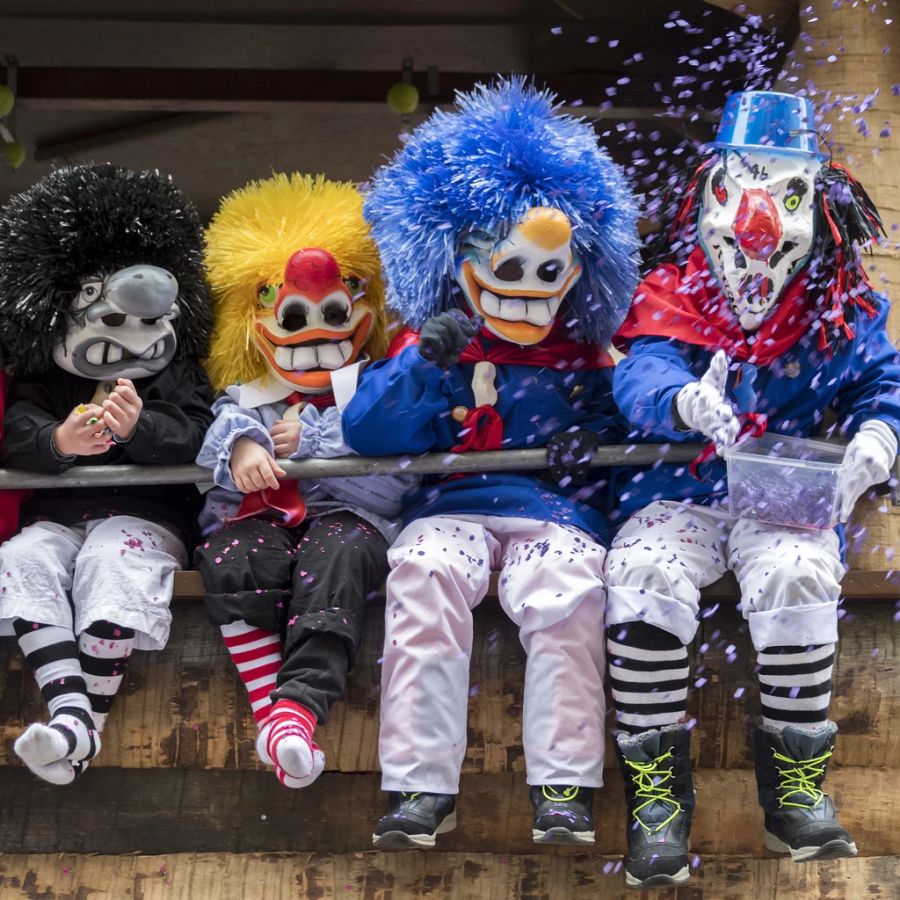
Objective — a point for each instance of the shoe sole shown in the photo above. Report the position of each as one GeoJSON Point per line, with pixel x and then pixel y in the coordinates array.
{"type": "Point", "coordinates": [658, 881]}
{"type": "Point", "coordinates": [836, 849]}
{"type": "Point", "coordinates": [400, 840]}
{"type": "Point", "coordinates": [561, 835]}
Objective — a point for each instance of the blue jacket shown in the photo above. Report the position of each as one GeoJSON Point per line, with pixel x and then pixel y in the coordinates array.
{"type": "Point", "coordinates": [860, 381]}
{"type": "Point", "coordinates": [416, 399]}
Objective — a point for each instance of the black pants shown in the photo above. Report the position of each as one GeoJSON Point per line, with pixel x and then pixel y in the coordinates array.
{"type": "Point", "coordinates": [310, 584]}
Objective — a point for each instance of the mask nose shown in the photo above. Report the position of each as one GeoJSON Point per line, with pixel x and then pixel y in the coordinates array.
{"type": "Point", "coordinates": [143, 291]}
{"type": "Point", "coordinates": [757, 227]}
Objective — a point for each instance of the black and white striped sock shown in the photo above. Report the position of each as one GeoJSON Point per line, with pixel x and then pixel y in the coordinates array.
{"type": "Point", "coordinates": [648, 673]}
{"type": "Point", "coordinates": [51, 652]}
{"type": "Point", "coordinates": [795, 685]}
{"type": "Point", "coordinates": [103, 651]}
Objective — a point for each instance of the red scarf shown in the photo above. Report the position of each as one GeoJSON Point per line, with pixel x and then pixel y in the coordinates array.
{"type": "Point", "coordinates": [285, 503]}
{"type": "Point", "coordinates": [482, 428]}
{"type": "Point", "coordinates": [688, 306]}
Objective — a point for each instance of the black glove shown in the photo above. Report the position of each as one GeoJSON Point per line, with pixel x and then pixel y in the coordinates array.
{"type": "Point", "coordinates": [444, 337]}
{"type": "Point", "coordinates": [569, 455]}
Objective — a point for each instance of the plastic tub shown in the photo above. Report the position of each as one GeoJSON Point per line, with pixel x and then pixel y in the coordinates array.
{"type": "Point", "coordinates": [785, 480]}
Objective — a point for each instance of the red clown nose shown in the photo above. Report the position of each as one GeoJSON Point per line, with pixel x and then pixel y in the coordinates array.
{"type": "Point", "coordinates": [757, 226]}
{"type": "Point", "coordinates": [313, 272]}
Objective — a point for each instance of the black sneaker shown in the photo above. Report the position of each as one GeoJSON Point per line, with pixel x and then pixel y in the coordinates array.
{"type": "Point", "coordinates": [562, 814]}
{"type": "Point", "coordinates": [800, 817]}
{"type": "Point", "coordinates": [659, 798]}
{"type": "Point", "coordinates": [413, 820]}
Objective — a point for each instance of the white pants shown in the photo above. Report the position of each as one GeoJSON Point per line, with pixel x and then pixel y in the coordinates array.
{"type": "Point", "coordinates": [664, 554]}
{"type": "Point", "coordinates": [551, 587]}
{"type": "Point", "coordinates": [120, 569]}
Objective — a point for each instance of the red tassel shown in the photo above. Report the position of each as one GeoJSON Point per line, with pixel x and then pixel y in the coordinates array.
{"type": "Point", "coordinates": [754, 425]}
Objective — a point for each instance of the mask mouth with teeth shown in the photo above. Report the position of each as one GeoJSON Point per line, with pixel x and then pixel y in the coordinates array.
{"type": "Point", "coordinates": [757, 227]}
{"type": "Point", "coordinates": [316, 321]}
{"type": "Point", "coordinates": [121, 325]}
{"type": "Point", "coordinates": [518, 284]}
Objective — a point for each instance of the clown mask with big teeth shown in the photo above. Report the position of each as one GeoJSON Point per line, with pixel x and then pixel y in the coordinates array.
{"type": "Point", "coordinates": [518, 283]}
{"type": "Point", "coordinates": [121, 325]}
{"type": "Point", "coordinates": [756, 226]}
{"type": "Point", "coordinates": [314, 322]}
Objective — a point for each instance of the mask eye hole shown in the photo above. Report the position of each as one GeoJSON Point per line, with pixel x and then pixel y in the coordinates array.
{"type": "Point", "coordinates": [113, 319]}
{"type": "Point", "coordinates": [720, 192]}
{"type": "Point", "coordinates": [511, 269]}
{"type": "Point", "coordinates": [550, 270]}
{"type": "Point", "coordinates": [293, 317]}
{"type": "Point", "coordinates": [335, 314]}
{"type": "Point", "coordinates": [151, 321]}
{"type": "Point", "coordinates": [267, 294]}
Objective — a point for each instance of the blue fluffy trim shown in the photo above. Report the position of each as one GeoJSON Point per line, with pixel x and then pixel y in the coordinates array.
{"type": "Point", "coordinates": [504, 150]}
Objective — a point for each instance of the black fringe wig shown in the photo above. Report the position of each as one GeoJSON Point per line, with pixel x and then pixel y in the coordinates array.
{"type": "Point", "coordinates": [847, 223]}
{"type": "Point", "coordinates": [86, 220]}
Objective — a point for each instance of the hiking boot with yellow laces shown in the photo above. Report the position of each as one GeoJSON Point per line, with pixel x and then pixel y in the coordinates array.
{"type": "Point", "coordinates": [659, 799]}
{"type": "Point", "coordinates": [562, 814]}
{"type": "Point", "coordinates": [413, 820]}
{"type": "Point", "coordinates": [790, 771]}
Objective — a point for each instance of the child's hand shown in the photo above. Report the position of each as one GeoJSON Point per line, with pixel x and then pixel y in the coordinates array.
{"type": "Point", "coordinates": [122, 409]}
{"type": "Point", "coordinates": [286, 436]}
{"type": "Point", "coordinates": [252, 468]}
{"type": "Point", "coordinates": [81, 434]}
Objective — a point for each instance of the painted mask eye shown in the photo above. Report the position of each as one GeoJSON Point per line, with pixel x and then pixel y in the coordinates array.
{"type": "Point", "coordinates": [720, 192]}
{"type": "Point", "coordinates": [792, 203]}
{"type": "Point", "coordinates": [113, 319]}
{"type": "Point", "coordinates": [356, 286]}
{"type": "Point", "coordinates": [267, 294]}
{"type": "Point", "coordinates": [795, 190]}
{"type": "Point", "coordinates": [512, 269]}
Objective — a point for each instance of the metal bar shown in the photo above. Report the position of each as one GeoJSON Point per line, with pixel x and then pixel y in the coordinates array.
{"type": "Point", "coordinates": [427, 464]}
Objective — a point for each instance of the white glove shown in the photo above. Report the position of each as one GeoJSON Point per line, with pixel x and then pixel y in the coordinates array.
{"type": "Point", "coordinates": [703, 407]}
{"type": "Point", "coordinates": [868, 461]}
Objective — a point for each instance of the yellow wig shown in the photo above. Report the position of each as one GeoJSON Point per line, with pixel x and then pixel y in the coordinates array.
{"type": "Point", "coordinates": [250, 239]}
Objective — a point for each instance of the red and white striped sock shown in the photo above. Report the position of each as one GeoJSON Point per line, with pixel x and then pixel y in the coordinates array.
{"type": "Point", "coordinates": [286, 742]}
{"type": "Point", "coordinates": [257, 655]}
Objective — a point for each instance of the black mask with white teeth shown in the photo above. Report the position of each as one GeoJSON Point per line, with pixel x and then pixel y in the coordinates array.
{"type": "Point", "coordinates": [121, 325]}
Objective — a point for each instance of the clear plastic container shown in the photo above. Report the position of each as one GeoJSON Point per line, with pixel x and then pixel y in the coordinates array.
{"type": "Point", "coordinates": [785, 480]}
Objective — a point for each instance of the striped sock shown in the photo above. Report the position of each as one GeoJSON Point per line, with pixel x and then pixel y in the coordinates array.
{"type": "Point", "coordinates": [648, 674]}
{"type": "Point", "coordinates": [286, 742]}
{"type": "Point", "coordinates": [61, 749]}
{"type": "Point", "coordinates": [103, 651]}
{"type": "Point", "coordinates": [795, 685]}
{"type": "Point", "coordinates": [257, 654]}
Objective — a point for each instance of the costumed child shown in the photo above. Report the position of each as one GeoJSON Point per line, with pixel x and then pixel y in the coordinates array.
{"type": "Point", "coordinates": [758, 310]}
{"type": "Point", "coordinates": [103, 312]}
{"type": "Point", "coordinates": [508, 240]}
{"type": "Point", "coordinates": [289, 566]}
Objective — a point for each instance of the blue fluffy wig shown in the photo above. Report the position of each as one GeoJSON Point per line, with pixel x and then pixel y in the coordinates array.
{"type": "Point", "coordinates": [504, 150]}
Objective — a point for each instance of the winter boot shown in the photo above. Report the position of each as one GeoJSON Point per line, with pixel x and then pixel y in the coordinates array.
{"type": "Point", "coordinates": [562, 814]}
{"type": "Point", "coordinates": [659, 796]}
{"type": "Point", "coordinates": [413, 820]}
{"type": "Point", "coordinates": [800, 817]}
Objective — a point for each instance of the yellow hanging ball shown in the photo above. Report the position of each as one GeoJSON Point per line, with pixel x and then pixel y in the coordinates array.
{"type": "Point", "coordinates": [15, 154]}
{"type": "Point", "coordinates": [403, 98]}
{"type": "Point", "coordinates": [7, 101]}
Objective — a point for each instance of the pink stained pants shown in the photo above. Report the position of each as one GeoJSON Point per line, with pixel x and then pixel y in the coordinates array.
{"type": "Point", "coordinates": [551, 586]}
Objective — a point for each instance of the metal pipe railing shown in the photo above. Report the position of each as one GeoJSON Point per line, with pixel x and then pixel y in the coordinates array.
{"type": "Point", "coordinates": [426, 464]}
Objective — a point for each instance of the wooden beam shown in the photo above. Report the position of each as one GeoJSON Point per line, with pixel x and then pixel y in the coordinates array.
{"type": "Point", "coordinates": [243, 90]}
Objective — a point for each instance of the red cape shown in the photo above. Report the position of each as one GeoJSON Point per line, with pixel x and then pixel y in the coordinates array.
{"type": "Point", "coordinates": [688, 306]}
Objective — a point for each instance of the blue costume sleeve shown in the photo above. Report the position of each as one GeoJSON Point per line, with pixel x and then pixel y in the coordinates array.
{"type": "Point", "coordinates": [395, 406]}
{"type": "Point", "coordinates": [231, 422]}
{"type": "Point", "coordinates": [646, 382]}
{"type": "Point", "coordinates": [874, 389]}
{"type": "Point", "coordinates": [321, 435]}
{"type": "Point", "coordinates": [602, 416]}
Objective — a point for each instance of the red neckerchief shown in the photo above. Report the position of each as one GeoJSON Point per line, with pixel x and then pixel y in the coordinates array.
{"type": "Point", "coordinates": [482, 428]}
{"type": "Point", "coordinates": [319, 401]}
{"type": "Point", "coordinates": [688, 306]}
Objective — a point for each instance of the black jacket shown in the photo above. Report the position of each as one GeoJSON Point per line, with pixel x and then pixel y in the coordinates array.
{"type": "Point", "coordinates": [170, 431]}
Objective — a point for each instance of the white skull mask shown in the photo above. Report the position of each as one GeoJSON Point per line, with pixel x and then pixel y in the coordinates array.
{"type": "Point", "coordinates": [121, 325]}
{"type": "Point", "coordinates": [518, 284]}
{"type": "Point", "coordinates": [757, 227]}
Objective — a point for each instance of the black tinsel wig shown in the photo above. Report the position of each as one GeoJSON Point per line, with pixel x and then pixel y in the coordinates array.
{"type": "Point", "coordinates": [847, 223]}
{"type": "Point", "coordinates": [86, 220]}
